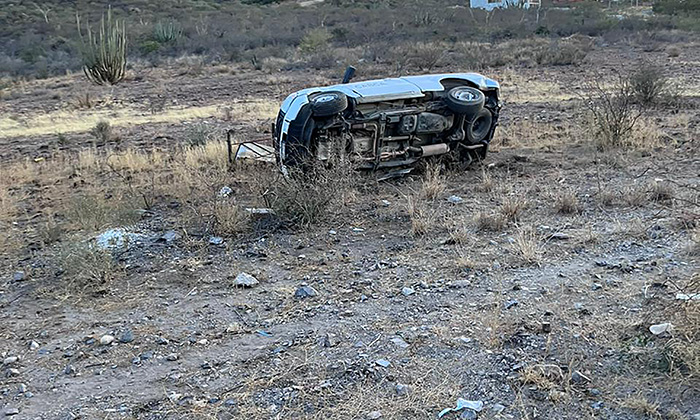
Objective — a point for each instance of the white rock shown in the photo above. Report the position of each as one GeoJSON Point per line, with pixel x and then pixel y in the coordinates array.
{"type": "Point", "coordinates": [33, 345]}
{"type": "Point", "coordinates": [106, 339]}
{"type": "Point", "coordinates": [246, 280]}
{"type": "Point", "coordinates": [374, 415]}
{"type": "Point", "coordinates": [657, 329]}
{"type": "Point", "coordinates": [10, 360]}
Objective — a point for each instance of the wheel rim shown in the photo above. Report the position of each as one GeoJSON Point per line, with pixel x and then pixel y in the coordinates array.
{"type": "Point", "coordinates": [464, 95]}
{"type": "Point", "coordinates": [325, 98]}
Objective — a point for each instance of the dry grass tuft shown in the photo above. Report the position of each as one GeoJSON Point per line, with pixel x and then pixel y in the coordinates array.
{"type": "Point", "coordinates": [660, 191]}
{"type": "Point", "coordinates": [87, 270]}
{"type": "Point", "coordinates": [566, 202]}
{"type": "Point", "coordinates": [512, 206]}
{"type": "Point", "coordinates": [693, 247]}
{"type": "Point", "coordinates": [487, 182]}
{"type": "Point", "coordinates": [634, 196]}
{"type": "Point", "coordinates": [486, 221]}
{"type": "Point", "coordinates": [229, 218]}
{"type": "Point", "coordinates": [641, 405]}
{"type": "Point", "coordinates": [464, 260]}
{"type": "Point", "coordinates": [526, 246]}
{"type": "Point", "coordinates": [434, 182]}
{"type": "Point", "coordinates": [544, 377]}
{"type": "Point", "coordinates": [422, 218]}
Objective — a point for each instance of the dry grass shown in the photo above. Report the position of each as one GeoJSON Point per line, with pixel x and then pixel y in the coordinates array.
{"type": "Point", "coordinates": [422, 218]}
{"type": "Point", "coordinates": [566, 202]}
{"type": "Point", "coordinates": [543, 376]}
{"type": "Point", "coordinates": [229, 218]}
{"type": "Point", "coordinates": [489, 221]}
{"type": "Point", "coordinates": [512, 206]}
{"type": "Point", "coordinates": [633, 196]}
{"type": "Point", "coordinates": [641, 405]}
{"type": "Point", "coordinates": [693, 247]}
{"type": "Point", "coordinates": [72, 121]}
{"type": "Point", "coordinates": [434, 182]}
{"type": "Point", "coordinates": [87, 270]}
{"type": "Point", "coordinates": [527, 247]}
{"type": "Point", "coordinates": [661, 191]}
{"type": "Point", "coordinates": [464, 260]}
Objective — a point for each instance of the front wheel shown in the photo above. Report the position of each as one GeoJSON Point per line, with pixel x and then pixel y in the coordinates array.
{"type": "Point", "coordinates": [465, 100]}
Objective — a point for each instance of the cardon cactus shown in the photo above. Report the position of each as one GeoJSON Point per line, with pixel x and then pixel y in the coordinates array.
{"type": "Point", "coordinates": [104, 52]}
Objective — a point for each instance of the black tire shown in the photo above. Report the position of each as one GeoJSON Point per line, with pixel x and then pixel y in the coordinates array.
{"type": "Point", "coordinates": [325, 104]}
{"type": "Point", "coordinates": [477, 129]}
{"type": "Point", "coordinates": [465, 100]}
{"type": "Point", "coordinates": [298, 144]}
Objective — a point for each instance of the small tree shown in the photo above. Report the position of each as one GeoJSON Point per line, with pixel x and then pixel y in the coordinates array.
{"type": "Point", "coordinates": [104, 53]}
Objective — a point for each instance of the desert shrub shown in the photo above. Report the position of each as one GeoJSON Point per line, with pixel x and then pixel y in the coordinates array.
{"type": "Point", "coordinates": [648, 83]}
{"type": "Point", "coordinates": [564, 52]}
{"type": "Point", "coordinates": [614, 112]}
{"type": "Point", "coordinates": [307, 196]}
{"type": "Point", "coordinates": [104, 53]}
{"type": "Point", "coordinates": [425, 56]}
{"type": "Point", "coordinates": [166, 32]}
{"type": "Point", "coordinates": [96, 211]}
{"type": "Point", "coordinates": [102, 132]}
{"type": "Point", "coordinates": [199, 134]}
{"type": "Point", "coordinates": [229, 218]}
{"type": "Point", "coordinates": [315, 40]}
{"type": "Point", "coordinates": [86, 268]}
{"type": "Point", "coordinates": [677, 7]}
{"type": "Point", "coordinates": [525, 52]}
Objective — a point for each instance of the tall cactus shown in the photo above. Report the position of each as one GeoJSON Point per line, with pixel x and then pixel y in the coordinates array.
{"type": "Point", "coordinates": [104, 52]}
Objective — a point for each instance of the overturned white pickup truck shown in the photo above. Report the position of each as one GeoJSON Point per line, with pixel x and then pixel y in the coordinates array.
{"type": "Point", "coordinates": [389, 123]}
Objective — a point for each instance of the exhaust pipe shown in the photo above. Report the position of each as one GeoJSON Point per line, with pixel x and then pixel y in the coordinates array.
{"type": "Point", "coordinates": [431, 149]}
{"type": "Point", "coordinates": [349, 73]}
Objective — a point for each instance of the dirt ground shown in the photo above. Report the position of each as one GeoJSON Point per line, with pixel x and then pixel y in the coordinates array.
{"type": "Point", "coordinates": [544, 317]}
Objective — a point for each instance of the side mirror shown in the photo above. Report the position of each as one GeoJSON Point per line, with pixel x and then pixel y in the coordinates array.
{"type": "Point", "coordinates": [349, 73]}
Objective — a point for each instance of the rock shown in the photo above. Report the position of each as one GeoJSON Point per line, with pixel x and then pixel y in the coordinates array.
{"type": "Point", "coordinates": [330, 340]}
{"type": "Point", "coordinates": [402, 390]}
{"type": "Point", "coordinates": [246, 280]}
{"type": "Point", "coordinates": [172, 357]}
{"type": "Point", "coordinates": [146, 355]}
{"type": "Point", "coordinates": [216, 240]}
{"type": "Point", "coordinates": [224, 192]}
{"type": "Point", "coordinates": [399, 342]}
{"type": "Point", "coordinates": [9, 412]}
{"type": "Point", "coordinates": [163, 341]}
{"type": "Point", "coordinates": [126, 337]}
{"type": "Point", "coordinates": [33, 345]}
{"type": "Point", "coordinates": [579, 378]}
{"type": "Point", "coordinates": [69, 370]}
{"type": "Point", "coordinates": [561, 236]}
{"type": "Point", "coordinates": [546, 327]}
{"type": "Point", "coordinates": [595, 392]}
{"type": "Point", "coordinates": [13, 372]}
{"type": "Point", "coordinates": [509, 304]}
{"type": "Point", "coordinates": [386, 203]}
{"type": "Point", "coordinates": [383, 363]}
{"type": "Point", "coordinates": [454, 199]}
{"type": "Point", "coordinates": [468, 415]}
{"type": "Point", "coordinates": [596, 286]}
{"type": "Point", "coordinates": [374, 415]}
{"type": "Point", "coordinates": [407, 291]}
{"type": "Point", "coordinates": [169, 237]}
{"type": "Point", "coordinates": [597, 405]}
{"type": "Point", "coordinates": [106, 340]}
{"type": "Point", "coordinates": [18, 276]}
{"type": "Point", "coordinates": [305, 292]}
{"type": "Point", "coordinates": [22, 388]}
{"type": "Point", "coordinates": [498, 408]}
{"type": "Point", "coordinates": [10, 360]}
{"type": "Point", "coordinates": [115, 239]}
{"type": "Point", "coordinates": [658, 329]}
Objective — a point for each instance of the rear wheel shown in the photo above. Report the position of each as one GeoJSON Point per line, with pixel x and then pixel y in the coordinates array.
{"type": "Point", "coordinates": [477, 129]}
